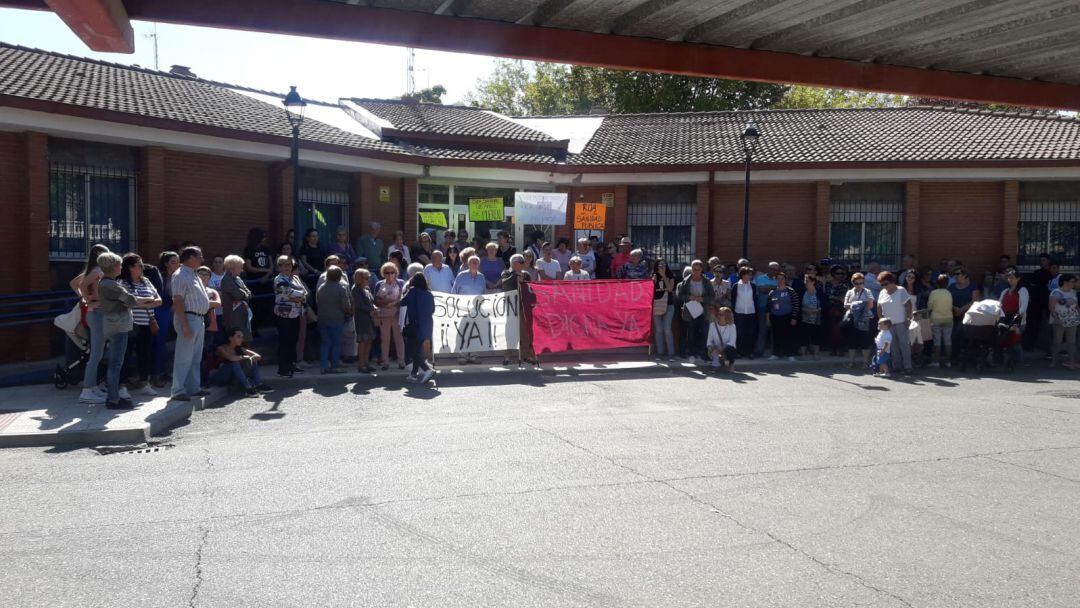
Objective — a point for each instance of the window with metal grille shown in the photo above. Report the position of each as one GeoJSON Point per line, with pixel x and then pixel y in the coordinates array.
{"type": "Point", "coordinates": [1051, 227]}
{"type": "Point", "coordinates": [89, 205]}
{"type": "Point", "coordinates": [323, 210]}
{"type": "Point", "coordinates": [866, 231]}
{"type": "Point", "coordinates": [661, 220]}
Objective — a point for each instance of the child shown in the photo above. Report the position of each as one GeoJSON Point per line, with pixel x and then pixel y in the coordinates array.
{"type": "Point", "coordinates": [883, 342]}
{"type": "Point", "coordinates": [721, 340]}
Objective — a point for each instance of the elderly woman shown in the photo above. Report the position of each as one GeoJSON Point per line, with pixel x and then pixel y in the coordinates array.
{"type": "Point", "coordinates": [290, 296]}
{"type": "Point", "coordinates": [399, 246]}
{"type": "Point", "coordinates": [636, 267]}
{"type": "Point", "coordinates": [363, 318]}
{"type": "Point", "coordinates": [492, 265]}
{"type": "Point", "coordinates": [114, 305]}
{"type": "Point", "coordinates": [235, 299]}
{"type": "Point", "coordinates": [343, 249]}
{"type": "Point", "coordinates": [694, 289]}
{"type": "Point", "coordinates": [859, 309]}
{"type": "Point", "coordinates": [576, 272]}
{"type": "Point", "coordinates": [387, 294]}
{"type": "Point", "coordinates": [782, 315]}
{"type": "Point", "coordinates": [422, 250]}
{"type": "Point", "coordinates": [140, 341]}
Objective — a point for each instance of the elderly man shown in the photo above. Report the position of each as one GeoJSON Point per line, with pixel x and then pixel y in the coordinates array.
{"type": "Point", "coordinates": [190, 305]}
{"type": "Point", "coordinates": [636, 267]}
{"type": "Point", "coordinates": [470, 283]}
{"type": "Point", "coordinates": [587, 257]}
{"type": "Point", "coordinates": [622, 256]}
{"type": "Point", "coordinates": [765, 283]}
{"type": "Point", "coordinates": [439, 276]}
{"type": "Point", "coordinates": [370, 246]}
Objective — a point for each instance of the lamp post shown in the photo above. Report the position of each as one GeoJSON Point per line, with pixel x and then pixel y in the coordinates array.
{"type": "Point", "coordinates": [749, 141]}
{"type": "Point", "coordinates": [294, 111]}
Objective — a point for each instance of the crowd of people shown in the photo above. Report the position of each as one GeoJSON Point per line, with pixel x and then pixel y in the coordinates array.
{"type": "Point", "coordinates": [326, 294]}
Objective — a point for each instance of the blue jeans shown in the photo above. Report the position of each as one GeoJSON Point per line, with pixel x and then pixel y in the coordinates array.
{"type": "Point", "coordinates": [187, 358]}
{"type": "Point", "coordinates": [662, 332]}
{"type": "Point", "coordinates": [95, 319]}
{"type": "Point", "coordinates": [330, 344]}
{"type": "Point", "coordinates": [117, 351]}
{"type": "Point", "coordinates": [234, 370]}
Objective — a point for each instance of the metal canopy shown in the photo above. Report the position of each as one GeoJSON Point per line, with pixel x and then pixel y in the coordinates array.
{"type": "Point", "coordinates": [1023, 52]}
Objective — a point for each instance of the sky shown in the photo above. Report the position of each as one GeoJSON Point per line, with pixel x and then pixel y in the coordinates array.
{"type": "Point", "coordinates": [320, 69]}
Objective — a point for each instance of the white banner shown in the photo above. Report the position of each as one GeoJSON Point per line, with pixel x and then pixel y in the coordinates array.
{"type": "Point", "coordinates": [547, 208]}
{"type": "Point", "coordinates": [472, 324]}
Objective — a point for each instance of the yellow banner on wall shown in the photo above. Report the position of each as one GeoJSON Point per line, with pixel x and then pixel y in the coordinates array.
{"type": "Point", "coordinates": [433, 218]}
{"type": "Point", "coordinates": [486, 209]}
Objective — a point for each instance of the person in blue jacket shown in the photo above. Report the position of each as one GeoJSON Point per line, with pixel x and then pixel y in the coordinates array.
{"type": "Point", "coordinates": [419, 306]}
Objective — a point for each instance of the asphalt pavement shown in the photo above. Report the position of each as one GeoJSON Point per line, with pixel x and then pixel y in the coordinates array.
{"type": "Point", "coordinates": [648, 487]}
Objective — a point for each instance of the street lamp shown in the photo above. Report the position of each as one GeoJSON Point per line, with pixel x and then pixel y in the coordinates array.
{"type": "Point", "coordinates": [294, 111]}
{"type": "Point", "coordinates": [749, 140]}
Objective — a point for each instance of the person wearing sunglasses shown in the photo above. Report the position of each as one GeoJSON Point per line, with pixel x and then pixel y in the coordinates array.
{"type": "Point", "coordinates": [387, 294]}
{"type": "Point", "coordinates": [858, 319]}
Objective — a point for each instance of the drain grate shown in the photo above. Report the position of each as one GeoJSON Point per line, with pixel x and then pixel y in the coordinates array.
{"type": "Point", "coordinates": [1062, 394]}
{"type": "Point", "coordinates": [133, 449]}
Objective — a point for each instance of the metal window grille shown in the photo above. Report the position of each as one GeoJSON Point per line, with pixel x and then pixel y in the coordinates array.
{"type": "Point", "coordinates": [662, 220]}
{"type": "Point", "coordinates": [89, 205]}
{"type": "Point", "coordinates": [323, 210]}
{"type": "Point", "coordinates": [1049, 227]}
{"type": "Point", "coordinates": [866, 231]}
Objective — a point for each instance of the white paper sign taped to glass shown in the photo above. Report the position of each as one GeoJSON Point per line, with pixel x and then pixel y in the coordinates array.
{"type": "Point", "coordinates": [475, 324]}
{"type": "Point", "coordinates": [547, 208]}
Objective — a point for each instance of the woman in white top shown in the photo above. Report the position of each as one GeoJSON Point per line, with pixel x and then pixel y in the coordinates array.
{"type": "Point", "coordinates": [549, 268]}
{"type": "Point", "coordinates": [722, 338]}
{"type": "Point", "coordinates": [576, 273]}
{"type": "Point", "coordinates": [399, 245]}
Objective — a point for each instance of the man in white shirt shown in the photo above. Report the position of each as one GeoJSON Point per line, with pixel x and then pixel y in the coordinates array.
{"type": "Point", "coordinates": [587, 257]}
{"type": "Point", "coordinates": [439, 276]}
{"type": "Point", "coordinates": [895, 304]}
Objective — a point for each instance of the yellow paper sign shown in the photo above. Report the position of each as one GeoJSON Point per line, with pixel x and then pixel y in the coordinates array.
{"type": "Point", "coordinates": [589, 216]}
{"type": "Point", "coordinates": [384, 194]}
{"type": "Point", "coordinates": [486, 209]}
{"type": "Point", "coordinates": [433, 218]}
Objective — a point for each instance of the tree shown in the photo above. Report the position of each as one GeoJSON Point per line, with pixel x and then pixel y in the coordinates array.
{"type": "Point", "coordinates": [429, 95]}
{"type": "Point", "coordinates": [523, 89]}
{"type": "Point", "coordinates": [802, 97]}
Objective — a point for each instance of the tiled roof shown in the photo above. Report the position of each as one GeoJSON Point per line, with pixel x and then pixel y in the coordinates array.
{"type": "Point", "coordinates": [428, 118]}
{"type": "Point", "coordinates": [842, 135]}
{"type": "Point", "coordinates": [59, 78]}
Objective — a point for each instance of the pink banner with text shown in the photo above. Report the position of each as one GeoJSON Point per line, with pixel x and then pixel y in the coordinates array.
{"type": "Point", "coordinates": [590, 315]}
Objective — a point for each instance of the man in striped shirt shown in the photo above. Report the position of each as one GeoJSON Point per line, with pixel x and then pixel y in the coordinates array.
{"type": "Point", "coordinates": [190, 305]}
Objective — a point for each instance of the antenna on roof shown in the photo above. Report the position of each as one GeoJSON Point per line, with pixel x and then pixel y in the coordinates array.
{"type": "Point", "coordinates": [410, 80]}
{"type": "Point", "coordinates": [154, 36]}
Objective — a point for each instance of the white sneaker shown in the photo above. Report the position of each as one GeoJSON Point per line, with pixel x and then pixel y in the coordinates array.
{"type": "Point", "coordinates": [428, 375]}
{"type": "Point", "coordinates": [411, 378]}
{"type": "Point", "coordinates": [148, 390]}
{"type": "Point", "coordinates": [773, 358]}
{"type": "Point", "coordinates": [91, 396]}
{"type": "Point", "coordinates": [123, 393]}
{"type": "Point", "coordinates": [792, 359]}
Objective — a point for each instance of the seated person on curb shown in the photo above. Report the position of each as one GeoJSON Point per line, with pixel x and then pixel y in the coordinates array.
{"type": "Point", "coordinates": [240, 364]}
{"type": "Point", "coordinates": [722, 338]}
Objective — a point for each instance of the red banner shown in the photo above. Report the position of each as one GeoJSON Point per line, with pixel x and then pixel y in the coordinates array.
{"type": "Point", "coordinates": [591, 315]}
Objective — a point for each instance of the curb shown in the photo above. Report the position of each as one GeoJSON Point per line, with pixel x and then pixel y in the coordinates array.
{"type": "Point", "coordinates": [154, 424]}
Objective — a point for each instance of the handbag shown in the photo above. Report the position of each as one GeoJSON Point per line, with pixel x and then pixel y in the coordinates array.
{"type": "Point", "coordinates": [69, 320]}
{"type": "Point", "coordinates": [659, 306]}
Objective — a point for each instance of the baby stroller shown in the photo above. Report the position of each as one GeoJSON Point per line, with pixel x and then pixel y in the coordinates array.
{"type": "Point", "coordinates": [72, 373]}
{"type": "Point", "coordinates": [980, 331]}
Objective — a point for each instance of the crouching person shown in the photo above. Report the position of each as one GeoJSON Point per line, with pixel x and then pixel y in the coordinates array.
{"type": "Point", "coordinates": [721, 341]}
{"type": "Point", "coordinates": [239, 364]}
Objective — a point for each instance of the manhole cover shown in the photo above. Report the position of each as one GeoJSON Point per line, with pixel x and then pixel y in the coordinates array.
{"type": "Point", "coordinates": [133, 449]}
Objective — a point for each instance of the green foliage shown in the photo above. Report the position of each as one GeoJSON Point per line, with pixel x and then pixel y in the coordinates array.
{"type": "Point", "coordinates": [801, 97]}
{"type": "Point", "coordinates": [525, 89]}
{"type": "Point", "coordinates": [429, 95]}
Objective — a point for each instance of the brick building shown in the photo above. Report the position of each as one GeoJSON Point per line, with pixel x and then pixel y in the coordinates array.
{"type": "Point", "coordinates": [142, 160]}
